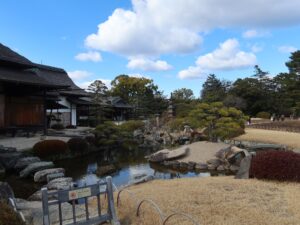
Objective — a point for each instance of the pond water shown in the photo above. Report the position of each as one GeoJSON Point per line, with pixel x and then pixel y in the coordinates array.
{"type": "Point", "coordinates": [130, 164]}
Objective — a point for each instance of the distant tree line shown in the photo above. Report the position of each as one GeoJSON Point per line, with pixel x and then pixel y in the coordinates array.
{"type": "Point", "coordinates": [259, 92]}
{"type": "Point", "coordinates": [252, 95]}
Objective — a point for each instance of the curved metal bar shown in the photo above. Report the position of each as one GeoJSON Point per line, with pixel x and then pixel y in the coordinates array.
{"type": "Point", "coordinates": [153, 204]}
{"type": "Point", "coordinates": [119, 196]}
{"type": "Point", "coordinates": [181, 214]}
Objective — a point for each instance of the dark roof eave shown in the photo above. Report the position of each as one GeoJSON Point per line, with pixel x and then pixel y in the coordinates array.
{"type": "Point", "coordinates": [51, 86]}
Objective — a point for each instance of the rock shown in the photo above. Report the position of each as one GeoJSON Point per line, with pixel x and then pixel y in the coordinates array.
{"type": "Point", "coordinates": [6, 191]}
{"type": "Point", "coordinates": [234, 168]}
{"type": "Point", "coordinates": [214, 162]}
{"type": "Point", "coordinates": [9, 159]}
{"type": "Point", "coordinates": [41, 176]}
{"type": "Point", "coordinates": [191, 165]}
{"type": "Point", "coordinates": [167, 154]}
{"type": "Point", "coordinates": [37, 196]}
{"type": "Point", "coordinates": [221, 154]}
{"type": "Point", "coordinates": [105, 170]}
{"type": "Point", "coordinates": [139, 176]}
{"type": "Point", "coordinates": [201, 166]}
{"type": "Point", "coordinates": [138, 134]}
{"type": "Point", "coordinates": [176, 164]}
{"type": "Point", "coordinates": [211, 167]}
{"type": "Point", "coordinates": [34, 167]}
{"type": "Point", "coordinates": [24, 162]}
{"type": "Point", "coordinates": [184, 165]}
{"type": "Point", "coordinates": [243, 172]}
{"type": "Point", "coordinates": [60, 183]}
{"type": "Point", "coordinates": [2, 171]}
{"type": "Point", "coordinates": [220, 168]}
{"type": "Point", "coordinates": [7, 149]}
{"type": "Point", "coordinates": [54, 176]}
{"type": "Point", "coordinates": [142, 180]}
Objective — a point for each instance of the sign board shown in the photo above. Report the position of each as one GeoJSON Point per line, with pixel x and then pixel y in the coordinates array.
{"type": "Point", "coordinates": [80, 193]}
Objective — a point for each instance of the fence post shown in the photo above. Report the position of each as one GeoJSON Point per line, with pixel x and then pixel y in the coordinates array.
{"type": "Point", "coordinates": [46, 219]}
{"type": "Point", "coordinates": [110, 200]}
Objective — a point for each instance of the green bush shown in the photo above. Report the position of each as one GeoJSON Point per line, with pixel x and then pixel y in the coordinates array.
{"type": "Point", "coordinates": [8, 215]}
{"type": "Point", "coordinates": [132, 125]}
{"type": "Point", "coordinates": [263, 115]}
{"type": "Point", "coordinates": [78, 145]}
{"type": "Point", "coordinates": [57, 126]}
{"type": "Point", "coordinates": [176, 124]}
{"type": "Point", "coordinates": [48, 148]}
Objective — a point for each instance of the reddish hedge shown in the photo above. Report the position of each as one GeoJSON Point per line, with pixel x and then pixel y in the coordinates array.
{"type": "Point", "coordinates": [276, 165]}
{"type": "Point", "coordinates": [77, 145]}
{"type": "Point", "coordinates": [50, 148]}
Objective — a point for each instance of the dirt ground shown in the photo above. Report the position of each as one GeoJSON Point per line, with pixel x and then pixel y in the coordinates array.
{"type": "Point", "coordinates": [269, 136]}
{"type": "Point", "coordinates": [214, 201]}
{"type": "Point", "coordinates": [202, 151]}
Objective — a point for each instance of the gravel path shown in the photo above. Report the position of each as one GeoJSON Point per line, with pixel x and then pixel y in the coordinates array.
{"type": "Point", "coordinates": [24, 143]}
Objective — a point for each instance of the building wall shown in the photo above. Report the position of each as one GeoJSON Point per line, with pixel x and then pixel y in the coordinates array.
{"type": "Point", "coordinates": [64, 114]}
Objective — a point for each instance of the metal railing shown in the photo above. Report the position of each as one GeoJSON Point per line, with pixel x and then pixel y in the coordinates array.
{"type": "Point", "coordinates": [73, 195]}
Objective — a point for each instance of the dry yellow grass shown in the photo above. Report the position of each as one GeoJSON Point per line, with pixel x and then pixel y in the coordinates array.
{"type": "Point", "coordinates": [215, 201]}
{"type": "Point", "coordinates": [269, 136]}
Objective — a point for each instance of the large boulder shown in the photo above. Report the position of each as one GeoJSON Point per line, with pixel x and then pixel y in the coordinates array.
{"type": "Point", "coordinates": [9, 159]}
{"type": "Point", "coordinates": [41, 176]}
{"type": "Point", "coordinates": [214, 162]}
{"type": "Point", "coordinates": [62, 183]}
{"type": "Point", "coordinates": [167, 154]}
{"type": "Point", "coordinates": [106, 170]}
{"type": "Point", "coordinates": [243, 172]}
{"type": "Point", "coordinates": [6, 191]}
{"type": "Point", "coordinates": [24, 162]}
{"type": "Point", "coordinates": [35, 167]}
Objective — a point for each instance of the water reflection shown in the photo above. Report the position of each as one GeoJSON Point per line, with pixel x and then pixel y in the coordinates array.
{"type": "Point", "coordinates": [130, 166]}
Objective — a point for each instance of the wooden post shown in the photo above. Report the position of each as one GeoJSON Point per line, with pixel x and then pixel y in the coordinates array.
{"type": "Point", "coordinates": [45, 114]}
{"type": "Point", "coordinates": [71, 115]}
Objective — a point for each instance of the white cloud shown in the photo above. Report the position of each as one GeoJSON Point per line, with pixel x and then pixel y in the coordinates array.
{"type": "Point", "coordinates": [85, 84]}
{"type": "Point", "coordinates": [138, 75]}
{"type": "Point", "coordinates": [255, 34]}
{"type": "Point", "coordinates": [287, 49]}
{"type": "Point", "coordinates": [79, 74]}
{"type": "Point", "coordinates": [148, 65]}
{"type": "Point", "coordinates": [193, 72]}
{"type": "Point", "coordinates": [155, 27]}
{"type": "Point", "coordinates": [89, 56]}
{"type": "Point", "coordinates": [227, 57]}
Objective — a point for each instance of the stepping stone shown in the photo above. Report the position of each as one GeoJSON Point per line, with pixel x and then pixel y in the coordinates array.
{"type": "Point", "coordinates": [9, 159]}
{"type": "Point", "coordinates": [41, 176]}
{"type": "Point", "coordinates": [62, 183]}
{"type": "Point", "coordinates": [35, 167]}
{"type": "Point", "coordinates": [24, 162]}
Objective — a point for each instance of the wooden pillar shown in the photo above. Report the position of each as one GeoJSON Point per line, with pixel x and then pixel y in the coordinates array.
{"type": "Point", "coordinates": [71, 115]}
{"type": "Point", "coordinates": [45, 114]}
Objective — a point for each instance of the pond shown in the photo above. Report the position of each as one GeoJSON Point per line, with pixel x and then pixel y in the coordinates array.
{"type": "Point", "coordinates": [130, 164]}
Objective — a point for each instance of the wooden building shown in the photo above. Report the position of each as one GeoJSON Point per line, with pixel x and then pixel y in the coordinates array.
{"type": "Point", "coordinates": [23, 93]}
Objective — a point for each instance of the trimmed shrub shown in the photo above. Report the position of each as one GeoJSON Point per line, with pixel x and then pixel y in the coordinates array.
{"type": "Point", "coordinates": [263, 115]}
{"type": "Point", "coordinates": [78, 145]}
{"type": "Point", "coordinates": [48, 148]}
{"type": "Point", "coordinates": [57, 126]}
{"type": "Point", "coordinates": [276, 165]}
{"type": "Point", "coordinates": [132, 125]}
{"type": "Point", "coordinates": [8, 215]}
{"type": "Point", "coordinates": [91, 140]}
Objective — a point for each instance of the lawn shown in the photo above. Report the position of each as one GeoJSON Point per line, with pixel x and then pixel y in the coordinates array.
{"type": "Point", "coordinates": [215, 201]}
{"type": "Point", "coordinates": [270, 136]}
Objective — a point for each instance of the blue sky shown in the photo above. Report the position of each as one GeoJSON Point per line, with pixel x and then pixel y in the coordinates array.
{"type": "Point", "coordinates": [174, 42]}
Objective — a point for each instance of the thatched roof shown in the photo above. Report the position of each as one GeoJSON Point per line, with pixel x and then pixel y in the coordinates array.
{"type": "Point", "coordinates": [10, 56]}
